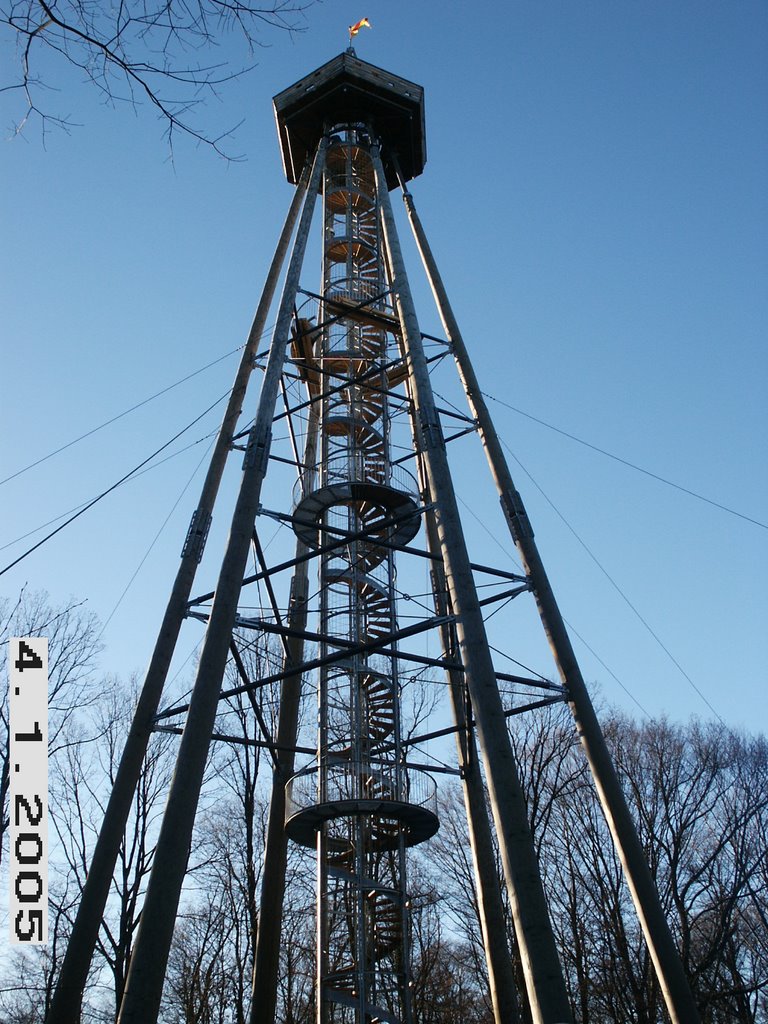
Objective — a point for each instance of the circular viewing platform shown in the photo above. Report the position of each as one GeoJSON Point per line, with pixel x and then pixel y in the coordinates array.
{"type": "Point", "coordinates": [378, 499]}
{"type": "Point", "coordinates": [351, 790]}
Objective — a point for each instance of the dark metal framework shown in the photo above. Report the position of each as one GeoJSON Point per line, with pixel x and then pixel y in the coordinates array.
{"type": "Point", "coordinates": [347, 384]}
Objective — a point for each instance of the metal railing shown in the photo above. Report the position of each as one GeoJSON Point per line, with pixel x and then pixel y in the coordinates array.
{"type": "Point", "coordinates": [351, 781]}
{"type": "Point", "coordinates": [361, 184]}
{"type": "Point", "coordinates": [356, 467]}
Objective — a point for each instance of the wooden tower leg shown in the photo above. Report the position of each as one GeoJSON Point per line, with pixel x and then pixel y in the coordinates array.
{"type": "Point", "coordinates": [67, 999]}
{"type": "Point", "coordinates": [666, 959]}
{"type": "Point", "coordinates": [143, 990]}
{"type": "Point", "coordinates": [267, 954]}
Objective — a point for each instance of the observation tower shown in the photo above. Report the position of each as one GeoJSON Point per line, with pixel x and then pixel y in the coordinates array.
{"type": "Point", "coordinates": [346, 404]}
{"type": "Point", "coordinates": [357, 801]}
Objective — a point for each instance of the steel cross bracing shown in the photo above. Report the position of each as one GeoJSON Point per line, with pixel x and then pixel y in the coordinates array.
{"type": "Point", "coordinates": [346, 404]}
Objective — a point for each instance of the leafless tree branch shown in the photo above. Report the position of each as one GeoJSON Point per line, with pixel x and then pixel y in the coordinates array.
{"type": "Point", "coordinates": [140, 52]}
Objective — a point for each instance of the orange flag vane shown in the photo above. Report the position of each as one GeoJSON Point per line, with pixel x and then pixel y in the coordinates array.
{"type": "Point", "coordinates": [354, 29]}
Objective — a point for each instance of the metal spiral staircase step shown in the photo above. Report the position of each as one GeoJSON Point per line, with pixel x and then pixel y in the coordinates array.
{"type": "Point", "coordinates": [365, 270]}
{"type": "Point", "coordinates": [372, 343]}
{"type": "Point", "coordinates": [340, 863]}
{"type": "Point", "coordinates": [365, 436]}
{"type": "Point", "coordinates": [373, 597]}
{"type": "Point", "coordinates": [378, 701]}
{"type": "Point", "coordinates": [360, 354]}
{"type": "Point", "coordinates": [343, 193]}
{"type": "Point", "coordinates": [340, 150]}
{"type": "Point", "coordinates": [339, 197]}
{"type": "Point", "coordinates": [378, 787]}
{"type": "Point", "coordinates": [341, 247]}
{"type": "Point", "coordinates": [371, 402]}
{"type": "Point", "coordinates": [340, 987]}
{"type": "Point", "coordinates": [386, 913]}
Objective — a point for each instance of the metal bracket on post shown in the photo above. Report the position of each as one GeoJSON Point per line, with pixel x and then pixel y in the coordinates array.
{"type": "Point", "coordinates": [471, 749]}
{"type": "Point", "coordinates": [197, 534]}
{"type": "Point", "coordinates": [257, 454]}
{"type": "Point", "coordinates": [516, 515]}
{"type": "Point", "coordinates": [299, 591]}
{"type": "Point", "coordinates": [431, 434]}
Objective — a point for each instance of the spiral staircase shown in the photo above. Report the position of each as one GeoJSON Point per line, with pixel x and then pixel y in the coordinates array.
{"type": "Point", "coordinates": [357, 802]}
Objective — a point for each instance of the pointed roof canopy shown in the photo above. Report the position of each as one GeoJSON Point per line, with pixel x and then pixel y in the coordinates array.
{"type": "Point", "coordinates": [347, 90]}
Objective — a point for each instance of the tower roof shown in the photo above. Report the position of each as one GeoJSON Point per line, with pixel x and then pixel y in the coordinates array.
{"type": "Point", "coordinates": [347, 90]}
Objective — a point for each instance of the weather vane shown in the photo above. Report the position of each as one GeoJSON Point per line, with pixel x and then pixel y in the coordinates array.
{"type": "Point", "coordinates": [354, 29]}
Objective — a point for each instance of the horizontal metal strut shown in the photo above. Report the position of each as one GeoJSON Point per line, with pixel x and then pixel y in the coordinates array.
{"type": "Point", "coordinates": [247, 741]}
{"type": "Point", "coordinates": [378, 646]}
{"type": "Point", "coordinates": [509, 713]}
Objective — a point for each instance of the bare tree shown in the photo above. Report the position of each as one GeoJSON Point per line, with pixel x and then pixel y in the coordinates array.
{"type": "Point", "coordinates": [88, 734]}
{"type": "Point", "coordinates": [198, 983]}
{"type": "Point", "coordinates": [81, 773]}
{"type": "Point", "coordinates": [73, 644]}
{"type": "Point", "coordinates": [26, 987]}
{"type": "Point", "coordinates": [700, 796]}
{"type": "Point", "coordinates": [450, 985]}
{"type": "Point", "coordinates": [155, 52]}
{"type": "Point", "coordinates": [296, 978]}
{"type": "Point", "coordinates": [212, 954]}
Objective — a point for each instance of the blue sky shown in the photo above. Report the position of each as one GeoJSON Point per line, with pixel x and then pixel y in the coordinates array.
{"type": "Point", "coordinates": [595, 194]}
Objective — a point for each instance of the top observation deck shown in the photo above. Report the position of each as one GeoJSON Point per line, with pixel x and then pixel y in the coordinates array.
{"type": "Point", "coordinates": [347, 90]}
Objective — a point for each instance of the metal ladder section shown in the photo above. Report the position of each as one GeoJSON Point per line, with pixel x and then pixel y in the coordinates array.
{"type": "Point", "coordinates": [357, 802]}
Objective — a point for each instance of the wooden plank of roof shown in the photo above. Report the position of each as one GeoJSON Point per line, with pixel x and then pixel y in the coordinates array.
{"type": "Point", "coordinates": [384, 81]}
